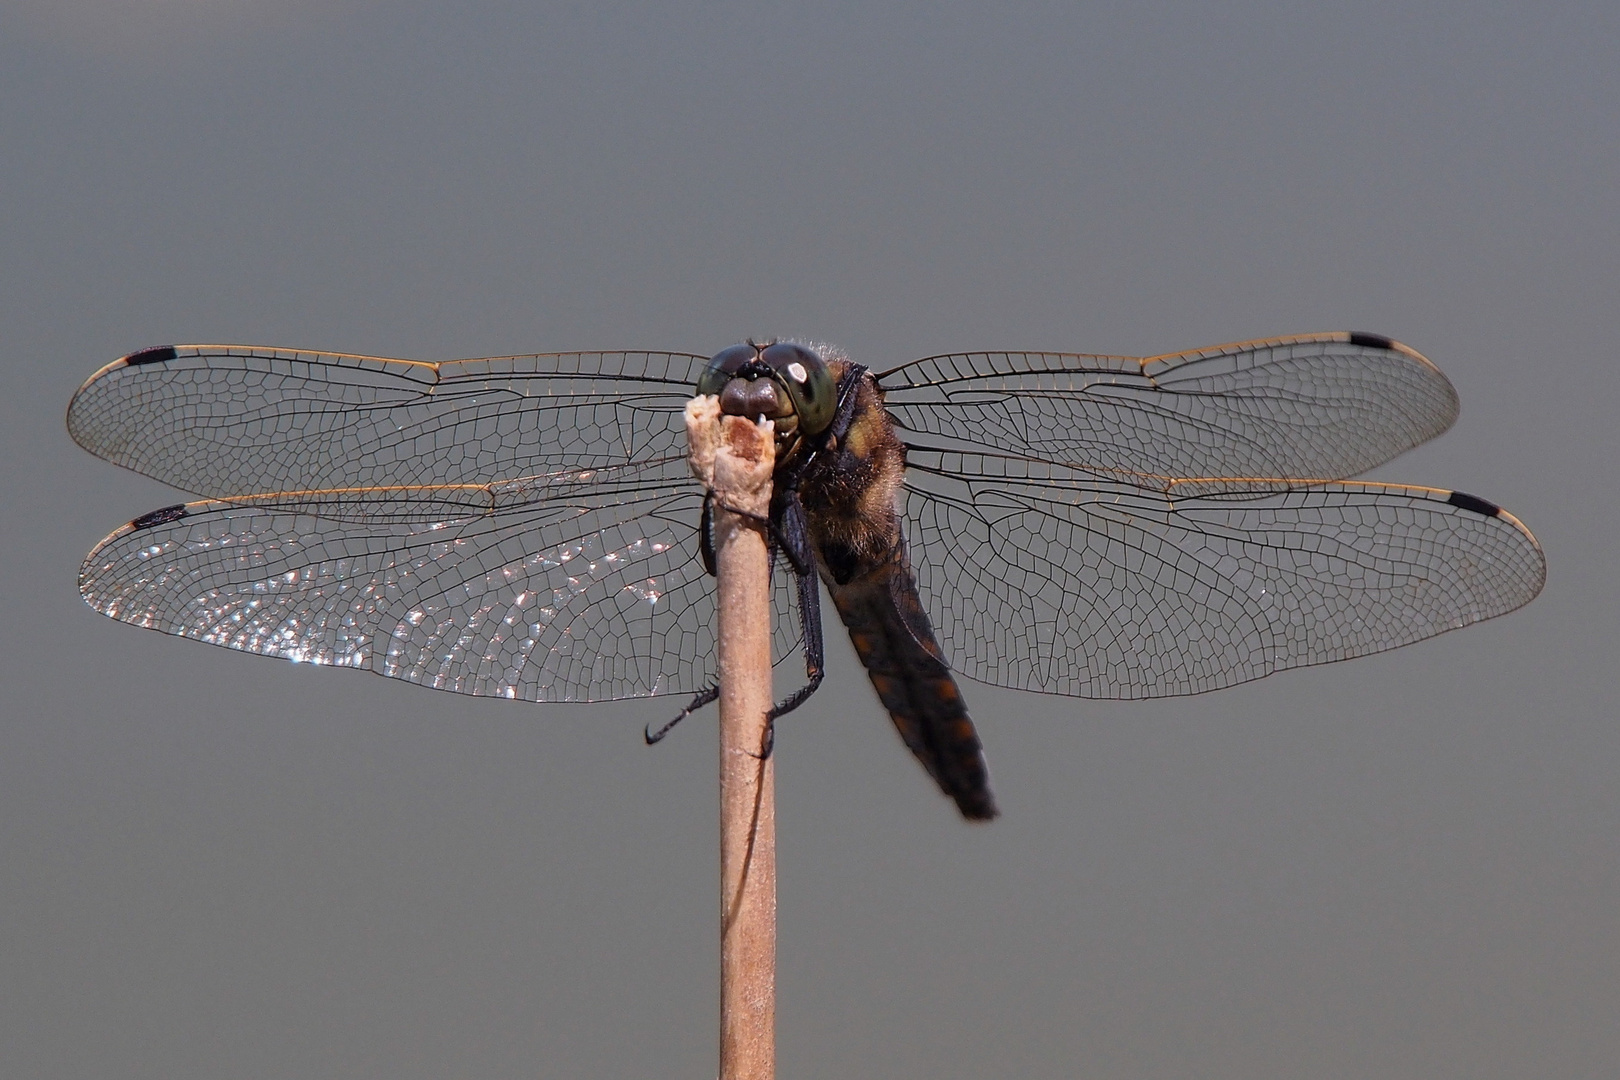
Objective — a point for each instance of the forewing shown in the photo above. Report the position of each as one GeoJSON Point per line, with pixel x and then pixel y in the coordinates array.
{"type": "Point", "coordinates": [1047, 578]}
{"type": "Point", "coordinates": [1310, 408]}
{"type": "Point", "coordinates": [225, 420]}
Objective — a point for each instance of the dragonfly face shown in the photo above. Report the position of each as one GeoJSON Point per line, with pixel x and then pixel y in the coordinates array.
{"type": "Point", "coordinates": [780, 381]}
{"type": "Point", "coordinates": [527, 526]}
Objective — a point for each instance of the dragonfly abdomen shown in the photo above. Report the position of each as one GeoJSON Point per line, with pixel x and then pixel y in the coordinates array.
{"type": "Point", "coordinates": [891, 634]}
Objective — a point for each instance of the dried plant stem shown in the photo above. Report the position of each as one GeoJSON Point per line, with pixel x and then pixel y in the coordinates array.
{"type": "Point", "coordinates": [738, 456]}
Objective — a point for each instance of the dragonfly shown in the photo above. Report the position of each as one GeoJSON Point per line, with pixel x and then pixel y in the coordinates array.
{"type": "Point", "coordinates": [527, 527]}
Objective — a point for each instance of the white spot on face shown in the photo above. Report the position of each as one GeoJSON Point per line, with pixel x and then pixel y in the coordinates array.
{"type": "Point", "coordinates": [796, 370]}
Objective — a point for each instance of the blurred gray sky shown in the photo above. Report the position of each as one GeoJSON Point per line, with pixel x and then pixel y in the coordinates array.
{"type": "Point", "coordinates": [216, 865]}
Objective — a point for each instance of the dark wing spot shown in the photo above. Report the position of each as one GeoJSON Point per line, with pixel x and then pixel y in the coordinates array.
{"type": "Point", "coordinates": [1470, 502]}
{"type": "Point", "coordinates": [159, 517]}
{"type": "Point", "coordinates": [1371, 341]}
{"type": "Point", "coordinates": [155, 355]}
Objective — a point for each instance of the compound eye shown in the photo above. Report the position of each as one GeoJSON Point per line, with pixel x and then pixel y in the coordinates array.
{"type": "Point", "coordinates": [722, 366]}
{"type": "Point", "coordinates": [809, 384]}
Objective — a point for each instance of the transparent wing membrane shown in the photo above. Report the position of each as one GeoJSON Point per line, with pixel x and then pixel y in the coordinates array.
{"type": "Point", "coordinates": [1317, 407]}
{"type": "Point", "coordinates": [1042, 578]}
{"type": "Point", "coordinates": [543, 600]}
{"type": "Point", "coordinates": [528, 527]}
{"type": "Point", "coordinates": [1116, 527]}
{"type": "Point", "coordinates": [223, 420]}
{"type": "Point", "coordinates": [517, 527]}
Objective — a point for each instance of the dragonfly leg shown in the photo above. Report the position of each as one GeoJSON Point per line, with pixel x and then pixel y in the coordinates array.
{"type": "Point", "coordinates": [814, 660]}
{"type": "Point", "coordinates": [815, 655]}
{"type": "Point", "coordinates": [700, 699]}
{"type": "Point", "coordinates": [789, 534]}
{"type": "Point", "coordinates": [792, 533]}
{"type": "Point", "coordinates": [706, 528]}
{"type": "Point", "coordinates": [706, 534]}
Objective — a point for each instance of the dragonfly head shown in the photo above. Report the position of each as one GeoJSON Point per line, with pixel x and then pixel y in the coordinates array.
{"type": "Point", "coordinates": [781, 381]}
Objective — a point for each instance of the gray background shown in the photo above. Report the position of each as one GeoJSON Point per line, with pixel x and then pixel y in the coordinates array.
{"type": "Point", "coordinates": [216, 865]}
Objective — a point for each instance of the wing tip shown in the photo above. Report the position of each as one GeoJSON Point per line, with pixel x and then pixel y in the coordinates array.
{"type": "Point", "coordinates": [153, 355]}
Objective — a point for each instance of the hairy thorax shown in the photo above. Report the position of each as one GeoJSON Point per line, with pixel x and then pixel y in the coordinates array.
{"type": "Point", "coordinates": [851, 490]}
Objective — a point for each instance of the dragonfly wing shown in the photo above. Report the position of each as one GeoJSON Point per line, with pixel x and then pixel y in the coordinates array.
{"type": "Point", "coordinates": [1316, 407]}
{"type": "Point", "coordinates": [540, 599]}
{"type": "Point", "coordinates": [1052, 579]}
{"type": "Point", "coordinates": [520, 526]}
{"type": "Point", "coordinates": [227, 420]}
